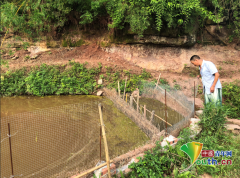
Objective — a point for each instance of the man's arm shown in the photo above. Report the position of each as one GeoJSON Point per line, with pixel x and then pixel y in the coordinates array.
{"type": "Point", "coordinates": [214, 82]}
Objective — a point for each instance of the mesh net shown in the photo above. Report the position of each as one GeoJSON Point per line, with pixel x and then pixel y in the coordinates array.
{"type": "Point", "coordinates": [179, 107]}
{"type": "Point", "coordinates": [63, 141]}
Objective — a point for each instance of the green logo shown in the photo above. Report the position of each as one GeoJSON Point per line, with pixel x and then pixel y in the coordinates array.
{"type": "Point", "coordinates": [193, 150]}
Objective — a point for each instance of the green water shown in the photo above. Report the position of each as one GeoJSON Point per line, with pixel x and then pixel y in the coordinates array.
{"type": "Point", "coordinates": [55, 137]}
{"type": "Point", "coordinates": [159, 108]}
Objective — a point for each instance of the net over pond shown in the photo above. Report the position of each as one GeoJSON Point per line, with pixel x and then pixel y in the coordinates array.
{"type": "Point", "coordinates": [62, 141]}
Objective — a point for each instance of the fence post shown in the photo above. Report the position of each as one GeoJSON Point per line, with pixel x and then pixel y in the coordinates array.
{"type": "Point", "coordinates": [118, 89]}
{"type": "Point", "coordinates": [131, 101]}
{"type": "Point", "coordinates": [145, 114]}
{"type": "Point", "coordinates": [10, 147]}
{"type": "Point", "coordinates": [100, 142]}
{"type": "Point", "coordinates": [152, 115]}
{"type": "Point", "coordinates": [105, 140]}
{"type": "Point", "coordinates": [138, 102]}
{"type": "Point", "coordinates": [194, 101]}
{"type": "Point", "coordinates": [158, 81]}
{"type": "Point", "coordinates": [166, 112]}
{"type": "Point", "coordinates": [125, 88]}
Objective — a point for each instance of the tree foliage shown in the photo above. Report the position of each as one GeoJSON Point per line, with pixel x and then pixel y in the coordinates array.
{"type": "Point", "coordinates": [34, 16]}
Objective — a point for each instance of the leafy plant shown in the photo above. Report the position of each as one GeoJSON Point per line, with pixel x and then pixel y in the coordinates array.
{"type": "Point", "coordinates": [177, 87]}
{"type": "Point", "coordinates": [25, 45]}
{"type": "Point", "coordinates": [231, 94]}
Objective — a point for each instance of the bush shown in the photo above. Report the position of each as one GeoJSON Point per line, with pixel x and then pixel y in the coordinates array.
{"type": "Point", "coordinates": [231, 94]}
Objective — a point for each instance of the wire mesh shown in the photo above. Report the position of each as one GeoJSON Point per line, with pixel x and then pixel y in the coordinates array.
{"type": "Point", "coordinates": [63, 141]}
{"type": "Point", "coordinates": [53, 142]}
{"type": "Point", "coordinates": [179, 108]}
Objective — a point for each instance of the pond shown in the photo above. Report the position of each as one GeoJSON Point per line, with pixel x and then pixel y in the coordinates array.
{"type": "Point", "coordinates": [58, 136]}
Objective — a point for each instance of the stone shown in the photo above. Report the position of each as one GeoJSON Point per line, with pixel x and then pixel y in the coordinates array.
{"type": "Point", "coordinates": [189, 40]}
{"type": "Point", "coordinates": [237, 47]}
{"type": "Point", "coordinates": [194, 125]}
{"type": "Point", "coordinates": [100, 81]}
{"type": "Point", "coordinates": [232, 127]}
{"type": "Point", "coordinates": [198, 103]}
{"type": "Point", "coordinates": [15, 57]}
{"type": "Point", "coordinates": [234, 121]}
{"type": "Point", "coordinates": [199, 112]}
{"type": "Point", "coordinates": [99, 93]}
{"type": "Point", "coordinates": [33, 56]}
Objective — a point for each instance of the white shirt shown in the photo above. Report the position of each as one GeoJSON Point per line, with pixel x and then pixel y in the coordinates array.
{"type": "Point", "coordinates": [207, 72]}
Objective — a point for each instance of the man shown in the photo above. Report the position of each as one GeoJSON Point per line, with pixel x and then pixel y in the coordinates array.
{"type": "Point", "coordinates": [212, 87]}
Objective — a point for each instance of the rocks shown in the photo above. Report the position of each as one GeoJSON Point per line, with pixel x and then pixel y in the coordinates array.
{"type": "Point", "coordinates": [189, 40]}
{"type": "Point", "coordinates": [237, 47]}
{"type": "Point", "coordinates": [100, 81]}
{"type": "Point", "coordinates": [33, 56]}
{"type": "Point", "coordinates": [234, 121]}
{"type": "Point", "coordinates": [15, 57]}
{"type": "Point", "coordinates": [99, 93]}
{"type": "Point", "coordinates": [199, 112]}
{"type": "Point", "coordinates": [232, 127]}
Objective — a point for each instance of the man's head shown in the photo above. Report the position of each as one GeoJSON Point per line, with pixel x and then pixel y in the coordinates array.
{"type": "Point", "coordinates": [196, 60]}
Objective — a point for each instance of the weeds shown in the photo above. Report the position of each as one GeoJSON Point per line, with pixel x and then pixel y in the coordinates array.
{"type": "Point", "coordinates": [231, 93]}
{"type": "Point", "coordinates": [157, 163]}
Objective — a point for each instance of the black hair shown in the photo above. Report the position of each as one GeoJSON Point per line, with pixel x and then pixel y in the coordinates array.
{"type": "Point", "coordinates": [194, 57]}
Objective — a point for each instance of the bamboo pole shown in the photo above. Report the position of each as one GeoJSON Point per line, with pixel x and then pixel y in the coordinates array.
{"type": "Point", "coordinates": [118, 89]}
{"type": "Point", "coordinates": [145, 113]}
{"type": "Point", "coordinates": [126, 97]}
{"type": "Point", "coordinates": [158, 117]}
{"type": "Point", "coordinates": [93, 169]}
{"type": "Point", "coordinates": [138, 101]}
{"type": "Point", "coordinates": [158, 80]}
{"type": "Point", "coordinates": [131, 101]}
{"type": "Point", "coordinates": [125, 88]}
{"type": "Point", "coordinates": [152, 115]}
{"type": "Point", "coordinates": [194, 101]}
{"type": "Point", "coordinates": [134, 100]}
{"type": "Point", "coordinates": [100, 142]}
{"type": "Point", "coordinates": [166, 112]}
{"type": "Point", "coordinates": [105, 140]}
{"type": "Point", "coordinates": [10, 147]}
{"type": "Point", "coordinates": [162, 120]}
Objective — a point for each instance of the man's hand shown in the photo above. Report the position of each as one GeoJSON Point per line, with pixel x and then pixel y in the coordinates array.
{"type": "Point", "coordinates": [212, 89]}
{"type": "Point", "coordinates": [198, 76]}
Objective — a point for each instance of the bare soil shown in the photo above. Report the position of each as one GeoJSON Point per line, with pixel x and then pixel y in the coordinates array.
{"type": "Point", "coordinates": [93, 54]}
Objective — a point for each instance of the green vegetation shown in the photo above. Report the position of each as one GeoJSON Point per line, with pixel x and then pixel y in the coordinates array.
{"type": "Point", "coordinates": [32, 17]}
{"type": "Point", "coordinates": [214, 136]}
{"type": "Point", "coordinates": [69, 43]}
{"type": "Point", "coordinates": [49, 80]}
{"type": "Point", "coordinates": [231, 94]}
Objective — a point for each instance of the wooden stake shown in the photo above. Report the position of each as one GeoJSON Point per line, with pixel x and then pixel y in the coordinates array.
{"type": "Point", "coordinates": [93, 169]}
{"type": "Point", "coordinates": [105, 140]}
{"type": "Point", "coordinates": [118, 89]}
{"type": "Point", "coordinates": [131, 101]}
{"type": "Point", "coordinates": [145, 112]}
{"type": "Point", "coordinates": [152, 116]}
{"type": "Point", "coordinates": [158, 80]}
{"type": "Point", "coordinates": [166, 112]}
{"type": "Point", "coordinates": [126, 97]}
{"type": "Point", "coordinates": [10, 147]}
{"type": "Point", "coordinates": [138, 101]}
{"type": "Point", "coordinates": [194, 101]}
{"type": "Point", "coordinates": [125, 88]}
